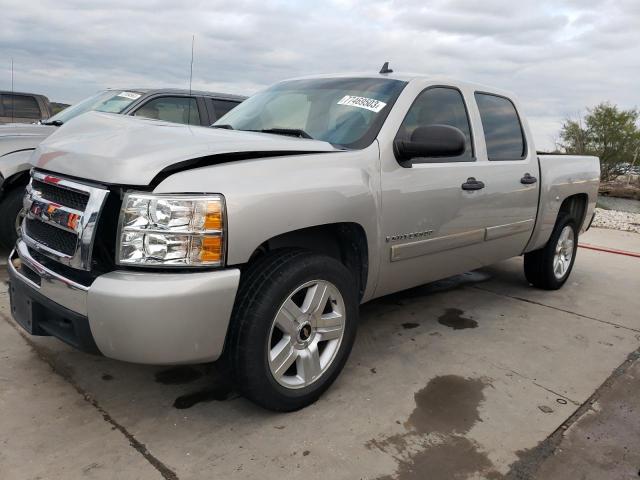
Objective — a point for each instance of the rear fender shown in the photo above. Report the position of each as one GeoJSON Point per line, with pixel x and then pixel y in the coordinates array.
{"type": "Point", "coordinates": [562, 177]}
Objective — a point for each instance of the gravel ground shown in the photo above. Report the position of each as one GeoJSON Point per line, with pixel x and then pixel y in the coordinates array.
{"type": "Point", "coordinates": [617, 220]}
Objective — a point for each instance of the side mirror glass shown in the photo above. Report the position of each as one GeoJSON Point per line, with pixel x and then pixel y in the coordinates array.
{"type": "Point", "coordinates": [431, 141]}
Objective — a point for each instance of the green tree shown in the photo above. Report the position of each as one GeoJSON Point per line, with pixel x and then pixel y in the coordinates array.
{"type": "Point", "coordinates": [606, 131]}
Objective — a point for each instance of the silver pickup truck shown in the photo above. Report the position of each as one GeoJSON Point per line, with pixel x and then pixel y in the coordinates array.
{"type": "Point", "coordinates": [255, 241]}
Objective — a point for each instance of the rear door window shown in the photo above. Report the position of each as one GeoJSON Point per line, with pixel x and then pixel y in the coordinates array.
{"type": "Point", "coordinates": [502, 128]}
{"type": "Point", "coordinates": [20, 106]}
{"type": "Point", "coordinates": [171, 109]}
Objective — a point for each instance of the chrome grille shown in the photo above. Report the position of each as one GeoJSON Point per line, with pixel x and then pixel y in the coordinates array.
{"type": "Point", "coordinates": [63, 196]}
{"type": "Point", "coordinates": [61, 218]}
{"type": "Point", "coordinates": [50, 236]}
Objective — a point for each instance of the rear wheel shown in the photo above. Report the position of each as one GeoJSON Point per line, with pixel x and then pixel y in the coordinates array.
{"type": "Point", "coordinates": [550, 267]}
{"type": "Point", "coordinates": [292, 328]}
{"type": "Point", "coordinates": [10, 216]}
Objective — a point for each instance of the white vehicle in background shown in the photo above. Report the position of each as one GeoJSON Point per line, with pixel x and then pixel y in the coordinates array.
{"type": "Point", "coordinates": [18, 141]}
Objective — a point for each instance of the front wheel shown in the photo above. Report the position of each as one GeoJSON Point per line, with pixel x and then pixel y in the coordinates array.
{"type": "Point", "coordinates": [292, 329]}
{"type": "Point", "coordinates": [549, 267]}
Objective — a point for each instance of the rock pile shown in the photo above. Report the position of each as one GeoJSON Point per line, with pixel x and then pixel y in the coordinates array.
{"type": "Point", "coordinates": [617, 220]}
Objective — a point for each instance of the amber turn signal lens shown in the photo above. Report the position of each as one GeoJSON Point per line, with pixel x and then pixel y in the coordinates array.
{"type": "Point", "coordinates": [211, 250]}
{"type": "Point", "coordinates": [72, 220]}
{"type": "Point", "coordinates": [213, 219]}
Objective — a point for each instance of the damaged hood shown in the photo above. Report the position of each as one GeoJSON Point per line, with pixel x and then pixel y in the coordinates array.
{"type": "Point", "coordinates": [117, 149]}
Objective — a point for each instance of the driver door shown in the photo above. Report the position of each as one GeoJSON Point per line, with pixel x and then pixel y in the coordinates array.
{"type": "Point", "coordinates": [432, 227]}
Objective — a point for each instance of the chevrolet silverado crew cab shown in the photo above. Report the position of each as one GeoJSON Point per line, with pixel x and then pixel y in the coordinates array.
{"type": "Point", "coordinates": [17, 142]}
{"type": "Point", "coordinates": [254, 241]}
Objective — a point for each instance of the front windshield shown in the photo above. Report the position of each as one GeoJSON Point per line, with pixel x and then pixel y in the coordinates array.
{"type": "Point", "coordinates": [348, 112]}
{"type": "Point", "coordinates": [110, 101]}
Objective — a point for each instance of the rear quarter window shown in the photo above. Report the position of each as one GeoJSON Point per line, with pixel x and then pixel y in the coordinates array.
{"type": "Point", "coordinates": [502, 128]}
{"type": "Point", "coordinates": [221, 107]}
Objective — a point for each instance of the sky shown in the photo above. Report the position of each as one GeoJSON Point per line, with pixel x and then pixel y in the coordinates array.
{"type": "Point", "coordinates": [559, 57]}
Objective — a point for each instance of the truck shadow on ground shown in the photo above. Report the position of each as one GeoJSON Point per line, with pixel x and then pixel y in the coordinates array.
{"type": "Point", "coordinates": [220, 387]}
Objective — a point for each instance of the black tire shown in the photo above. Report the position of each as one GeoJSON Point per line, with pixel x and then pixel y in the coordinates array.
{"type": "Point", "coordinates": [264, 286]}
{"type": "Point", "coordinates": [10, 207]}
{"type": "Point", "coordinates": [538, 265]}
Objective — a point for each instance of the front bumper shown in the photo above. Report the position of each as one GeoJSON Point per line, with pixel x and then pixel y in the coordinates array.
{"type": "Point", "coordinates": [141, 317]}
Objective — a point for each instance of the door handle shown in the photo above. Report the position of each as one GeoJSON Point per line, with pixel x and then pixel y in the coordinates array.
{"type": "Point", "coordinates": [472, 184]}
{"type": "Point", "coordinates": [528, 179]}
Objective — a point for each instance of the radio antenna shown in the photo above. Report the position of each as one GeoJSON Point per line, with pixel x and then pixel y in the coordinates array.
{"type": "Point", "coordinates": [13, 97]}
{"type": "Point", "coordinates": [193, 40]}
{"type": "Point", "coordinates": [385, 68]}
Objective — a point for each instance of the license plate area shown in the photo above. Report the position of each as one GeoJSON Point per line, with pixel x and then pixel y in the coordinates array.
{"type": "Point", "coordinates": [22, 308]}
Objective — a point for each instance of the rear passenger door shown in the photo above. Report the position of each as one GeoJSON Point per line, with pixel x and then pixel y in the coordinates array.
{"type": "Point", "coordinates": [174, 109]}
{"type": "Point", "coordinates": [509, 201]}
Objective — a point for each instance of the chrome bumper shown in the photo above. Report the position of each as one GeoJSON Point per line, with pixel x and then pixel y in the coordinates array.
{"type": "Point", "coordinates": [145, 317]}
{"type": "Point", "coordinates": [54, 286]}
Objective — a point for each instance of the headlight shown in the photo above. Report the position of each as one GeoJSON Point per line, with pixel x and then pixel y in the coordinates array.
{"type": "Point", "coordinates": [173, 230]}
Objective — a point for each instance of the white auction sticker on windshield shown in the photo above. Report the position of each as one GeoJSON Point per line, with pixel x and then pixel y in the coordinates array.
{"type": "Point", "coordinates": [362, 102]}
{"type": "Point", "coordinates": [129, 95]}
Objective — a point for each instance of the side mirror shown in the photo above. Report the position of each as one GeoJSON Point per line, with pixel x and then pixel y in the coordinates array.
{"type": "Point", "coordinates": [430, 141]}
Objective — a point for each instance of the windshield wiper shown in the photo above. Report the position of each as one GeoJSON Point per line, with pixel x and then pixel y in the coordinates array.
{"type": "Point", "coordinates": [292, 132]}
{"type": "Point", "coordinates": [55, 123]}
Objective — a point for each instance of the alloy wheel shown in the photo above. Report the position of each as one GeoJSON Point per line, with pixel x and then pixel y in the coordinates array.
{"type": "Point", "coordinates": [564, 252]}
{"type": "Point", "coordinates": [306, 334]}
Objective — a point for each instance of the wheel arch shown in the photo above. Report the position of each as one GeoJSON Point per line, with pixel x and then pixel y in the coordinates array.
{"type": "Point", "coordinates": [575, 206]}
{"type": "Point", "coordinates": [15, 168]}
{"type": "Point", "coordinates": [20, 179]}
{"type": "Point", "coordinates": [344, 241]}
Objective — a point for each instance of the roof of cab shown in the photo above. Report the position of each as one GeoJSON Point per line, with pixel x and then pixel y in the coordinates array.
{"type": "Point", "coordinates": [414, 77]}
{"type": "Point", "coordinates": [9, 92]}
{"type": "Point", "coordinates": [184, 91]}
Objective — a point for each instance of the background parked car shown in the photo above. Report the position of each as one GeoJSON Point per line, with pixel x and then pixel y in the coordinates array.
{"type": "Point", "coordinates": [17, 142]}
{"type": "Point", "coordinates": [19, 107]}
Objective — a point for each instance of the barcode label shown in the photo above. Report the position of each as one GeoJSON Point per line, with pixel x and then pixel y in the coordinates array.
{"type": "Point", "coordinates": [362, 102]}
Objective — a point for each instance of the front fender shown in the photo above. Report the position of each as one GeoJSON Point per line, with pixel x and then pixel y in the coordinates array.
{"type": "Point", "coordinates": [272, 196]}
